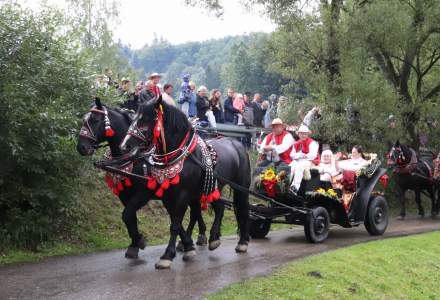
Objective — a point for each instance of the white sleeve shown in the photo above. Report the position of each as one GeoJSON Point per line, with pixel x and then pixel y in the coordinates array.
{"type": "Point", "coordinates": [313, 151]}
{"type": "Point", "coordinates": [295, 155]}
{"type": "Point", "coordinates": [285, 145]}
{"type": "Point", "coordinates": [308, 118]}
{"type": "Point", "coordinates": [261, 147]}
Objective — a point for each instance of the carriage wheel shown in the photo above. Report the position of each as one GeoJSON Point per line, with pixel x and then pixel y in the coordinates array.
{"type": "Point", "coordinates": [259, 228]}
{"type": "Point", "coordinates": [317, 225]}
{"type": "Point", "coordinates": [376, 221]}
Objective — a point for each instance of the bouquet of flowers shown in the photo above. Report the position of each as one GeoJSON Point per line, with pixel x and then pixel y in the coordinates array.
{"type": "Point", "coordinates": [271, 181]}
{"type": "Point", "coordinates": [330, 193]}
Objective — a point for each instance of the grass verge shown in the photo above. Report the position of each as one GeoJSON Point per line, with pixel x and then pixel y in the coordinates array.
{"type": "Point", "coordinates": [400, 268]}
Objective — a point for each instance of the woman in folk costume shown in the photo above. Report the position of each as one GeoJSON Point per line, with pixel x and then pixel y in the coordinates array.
{"type": "Point", "coordinates": [304, 154]}
{"type": "Point", "coordinates": [327, 166]}
{"type": "Point", "coordinates": [277, 145]}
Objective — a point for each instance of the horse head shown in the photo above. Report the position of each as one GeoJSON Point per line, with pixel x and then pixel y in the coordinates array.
{"type": "Point", "coordinates": [399, 154]}
{"type": "Point", "coordinates": [102, 124]}
{"type": "Point", "coordinates": [158, 125]}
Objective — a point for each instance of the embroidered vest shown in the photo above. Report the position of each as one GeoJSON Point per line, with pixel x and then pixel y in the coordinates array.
{"type": "Point", "coordinates": [303, 146]}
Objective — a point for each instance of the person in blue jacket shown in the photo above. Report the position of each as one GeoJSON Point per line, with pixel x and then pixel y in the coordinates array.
{"type": "Point", "coordinates": [230, 111]}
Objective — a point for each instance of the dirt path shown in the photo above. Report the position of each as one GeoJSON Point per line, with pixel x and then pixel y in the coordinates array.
{"type": "Point", "coordinates": [109, 275]}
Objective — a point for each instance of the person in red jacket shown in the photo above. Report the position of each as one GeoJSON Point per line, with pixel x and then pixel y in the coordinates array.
{"type": "Point", "coordinates": [277, 145]}
{"type": "Point", "coordinates": [304, 153]}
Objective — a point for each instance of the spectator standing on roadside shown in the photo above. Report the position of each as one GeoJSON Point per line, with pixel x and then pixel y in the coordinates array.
{"type": "Point", "coordinates": [155, 78]}
{"type": "Point", "coordinates": [185, 94]}
{"type": "Point", "coordinates": [258, 109]}
{"type": "Point", "coordinates": [216, 105]}
{"type": "Point", "coordinates": [230, 111]}
{"type": "Point", "coordinates": [167, 94]}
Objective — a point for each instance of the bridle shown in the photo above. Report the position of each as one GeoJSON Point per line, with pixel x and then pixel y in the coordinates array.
{"type": "Point", "coordinates": [87, 132]}
{"type": "Point", "coordinates": [398, 157]}
{"type": "Point", "coordinates": [158, 141]}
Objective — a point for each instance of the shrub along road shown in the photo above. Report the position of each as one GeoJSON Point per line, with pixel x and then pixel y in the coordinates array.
{"type": "Point", "coordinates": [110, 275]}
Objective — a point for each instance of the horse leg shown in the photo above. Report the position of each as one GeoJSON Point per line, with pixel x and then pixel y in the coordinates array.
{"type": "Point", "coordinates": [419, 204]}
{"type": "Point", "coordinates": [401, 196]}
{"type": "Point", "coordinates": [195, 217]}
{"type": "Point", "coordinates": [434, 211]}
{"type": "Point", "coordinates": [241, 204]}
{"type": "Point", "coordinates": [215, 233]}
{"type": "Point", "coordinates": [130, 219]}
{"type": "Point", "coordinates": [176, 209]}
{"type": "Point", "coordinates": [197, 214]}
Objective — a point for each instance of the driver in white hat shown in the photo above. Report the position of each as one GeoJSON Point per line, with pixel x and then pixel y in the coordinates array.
{"type": "Point", "coordinates": [276, 146]}
{"type": "Point", "coordinates": [303, 154]}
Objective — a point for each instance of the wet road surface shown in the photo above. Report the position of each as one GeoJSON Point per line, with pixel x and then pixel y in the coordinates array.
{"type": "Point", "coordinates": [109, 275]}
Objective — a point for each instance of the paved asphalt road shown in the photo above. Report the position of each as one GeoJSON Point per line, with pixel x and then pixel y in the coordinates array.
{"type": "Point", "coordinates": [109, 275]}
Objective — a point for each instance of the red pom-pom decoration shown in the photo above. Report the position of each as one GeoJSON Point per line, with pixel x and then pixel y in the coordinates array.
{"type": "Point", "coordinates": [151, 184]}
{"type": "Point", "coordinates": [209, 198]}
{"type": "Point", "coordinates": [109, 132]}
{"type": "Point", "coordinates": [120, 186]}
{"type": "Point", "coordinates": [216, 194]}
{"type": "Point", "coordinates": [175, 180]}
{"type": "Point", "coordinates": [159, 193]}
{"type": "Point", "coordinates": [128, 182]}
{"type": "Point", "coordinates": [165, 184]}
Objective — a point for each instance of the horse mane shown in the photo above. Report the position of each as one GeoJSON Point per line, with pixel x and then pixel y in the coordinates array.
{"type": "Point", "coordinates": [176, 124]}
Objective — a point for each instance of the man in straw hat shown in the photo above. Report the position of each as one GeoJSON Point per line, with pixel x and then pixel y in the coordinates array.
{"type": "Point", "coordinates": [155, 78]}
{"type": "Point", "coordinates": [277, 145]}
{"type": "Point", "coordinates": [303, 154]}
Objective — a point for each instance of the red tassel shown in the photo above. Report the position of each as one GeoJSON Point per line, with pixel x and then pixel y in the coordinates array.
{"type": "Point", "coordinates": [159, 193]}
{"type": "Point", "coordinates": [151, 184]}
{"type": "Point", "coordinates": [204, 204]}
{"type": "Point", "coordinates": [109, 132]}
{"type": "Point", "coordinates": [175, 180]}
{"type": "Point", "coordinates": [120, 186]}
{"type": "Point", "coordinates": [128, 182]}
{"type": "Point", "coordinates": [209, 198]}
{"type": "Point", "coordinates": [216, 194]}
{"type": "Point", "coordinates": [165, 184]}
{"type": "Point", "coordinates": [116, 192]}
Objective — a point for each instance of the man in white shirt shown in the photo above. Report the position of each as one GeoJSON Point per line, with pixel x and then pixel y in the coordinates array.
{"type": "Point", "coordinates": [303, 154]}
{"type": "Point", "coordinates": [311, 116]}
{"type": "Point", "coordinates": [277, 145]}
{"type": "Point", "coordinates": [167, 94]}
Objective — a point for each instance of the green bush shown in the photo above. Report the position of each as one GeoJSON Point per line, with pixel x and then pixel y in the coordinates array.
{"type": "Point", "coordinates": [42, 87]}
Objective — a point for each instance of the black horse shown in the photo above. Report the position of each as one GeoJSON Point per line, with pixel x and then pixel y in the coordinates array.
{"type": "Point", "coordinates": [167, 129]}
{"type": "Point", "coordinates": [103, 124]}
{"type": "Point", "coordinates": [412, 173]}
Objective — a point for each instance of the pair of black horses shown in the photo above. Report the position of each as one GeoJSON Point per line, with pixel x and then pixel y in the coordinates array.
{"type": "Point", "coordinates": [103, 124]}
{"type": "Point", "coordinates": [410, 173]}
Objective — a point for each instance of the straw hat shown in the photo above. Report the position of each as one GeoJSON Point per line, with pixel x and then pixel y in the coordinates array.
{"type": "Point", "coordinates": [277, 121]}
{"type": "Point", "coordinates": [303, 129]}
{"type": "Point", "coordinates": [153, 75]}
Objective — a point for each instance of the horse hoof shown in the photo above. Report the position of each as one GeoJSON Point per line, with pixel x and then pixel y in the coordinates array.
{"type": "Point", "coordinates": [401, 218]}
{"type": "Point", "coordinates": [201, 240]}
{"type": "Point", "coordinates": [163, 264]}
{"type": "Point", "coordinates": [188, 255]}
{"type": "Point", "coordinates": [214, 245]}
{"type": "Point", "coordinates": [180, 247]}
{"type": "Point", "coordinates": [142, 243]}
{"type": "Point", "coordinates": [132, 253]}
{"type": "Point", "coordinates": [241, 248]}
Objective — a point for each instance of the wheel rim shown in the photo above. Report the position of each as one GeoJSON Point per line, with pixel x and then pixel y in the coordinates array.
{"type": "Point", "coordinates": [320, 225]}
{"type": "Point", "coordinates": [379, 215]}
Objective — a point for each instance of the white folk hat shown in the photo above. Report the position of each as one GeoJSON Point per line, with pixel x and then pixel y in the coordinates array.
{"type": "Point", "coordinates": [303, 129]}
